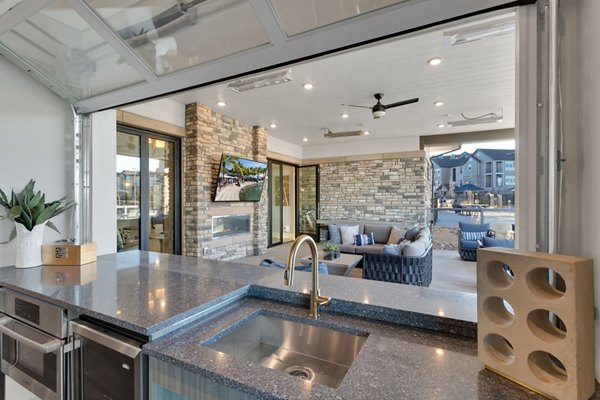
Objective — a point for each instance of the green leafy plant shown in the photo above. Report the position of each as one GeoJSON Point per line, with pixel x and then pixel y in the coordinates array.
{"type": "Point", "coordinates": [30, 208]}
{"type": "Point", "coordinates": [330, 247]}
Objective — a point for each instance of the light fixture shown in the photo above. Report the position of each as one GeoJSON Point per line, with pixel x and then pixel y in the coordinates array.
{"type": "Point", "coordinates": [366, 132]}
{"type": "Point", "coordinates": [305, 140]}
{"type": "Point", "coordinates": [480, 31]}
{"type": "Point", "coordinates": [308, 86]}
{"type": "Point", "coordinates": [480, 119]}
{"type": "Point", "coordinates": [344, 115]}
{"type": "Point", "coordinates": [438, 103]}
{"type": "Point", "coordinates": [221, 103]}
{"type": "Point", "coordinates": [257, 82]}
{"type": "Point", "coordinates": [441, 125]}
{"type": "Point", "coordinates": [434, 61]}
{"type": "Point", "coordinates": [273, 125]}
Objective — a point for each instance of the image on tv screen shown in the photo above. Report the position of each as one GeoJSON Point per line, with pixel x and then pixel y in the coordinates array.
{"type": "Point", "coordinates": [240, 179]}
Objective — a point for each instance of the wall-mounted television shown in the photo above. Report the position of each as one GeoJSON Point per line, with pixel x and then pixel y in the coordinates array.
{"type": "Point", "coordinates": [239, 179]}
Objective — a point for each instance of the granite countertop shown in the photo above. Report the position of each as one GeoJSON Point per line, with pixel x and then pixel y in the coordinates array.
{"type": "Point", "coordinates": [395, 362]}
{"type": "Point", "coordinates": [147, 293]}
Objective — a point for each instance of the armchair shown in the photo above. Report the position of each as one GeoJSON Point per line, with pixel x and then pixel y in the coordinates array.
{"type": "Point", "coordinates": [469, 236]}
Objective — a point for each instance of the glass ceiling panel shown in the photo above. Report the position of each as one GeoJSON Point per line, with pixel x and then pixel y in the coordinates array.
{"type": "Point", "coordinates": [302, 16]}
{"type": "Point", "coordinates": [170, 36]}
{"type": "Point", "coordinates": [62, 46]}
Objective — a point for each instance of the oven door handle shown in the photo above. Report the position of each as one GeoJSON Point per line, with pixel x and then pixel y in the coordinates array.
{"type": "Point", "coordinates": [45, 348]}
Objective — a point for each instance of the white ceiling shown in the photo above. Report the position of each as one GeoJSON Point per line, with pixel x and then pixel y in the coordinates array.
{"type": "Point", "coordinates": [473, 78]}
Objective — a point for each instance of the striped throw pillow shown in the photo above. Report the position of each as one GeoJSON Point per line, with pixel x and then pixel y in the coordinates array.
{"type": "Point", "coordinates": [473, 235]}
{"type": "Point", "coordinates": [363, 240]}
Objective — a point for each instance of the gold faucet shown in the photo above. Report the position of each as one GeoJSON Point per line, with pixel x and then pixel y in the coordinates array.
{"type": "Point", "coordinates": [316, 299]}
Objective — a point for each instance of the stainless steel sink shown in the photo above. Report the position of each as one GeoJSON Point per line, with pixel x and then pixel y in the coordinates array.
{"type": "Point", "coordinates": [312, 353]}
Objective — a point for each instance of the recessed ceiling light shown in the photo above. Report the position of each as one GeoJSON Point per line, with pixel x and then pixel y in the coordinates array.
{"type": "Point", "coordinates": [366, 133]}
{"type": "Point", "coordinates": [305, 140]}
{"type": "Point", "coordinates": [273, 125]}
{"type": "Point", "coordinates": [438, 103]}
{"type": "Point", "coordinates": [308, 86]}
{"type": "Point", "coordinates": [345, 115]}
{"type": "Point", "coordinates": [441, 126]}
{"type": "Point", "coordinates": [221, 103]}
{"type": "Point", "coordinates": [434, 61]}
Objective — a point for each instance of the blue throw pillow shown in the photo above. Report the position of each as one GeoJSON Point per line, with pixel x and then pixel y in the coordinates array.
{"type": "Point", "coordinates": [392, 249]}
{"type": "Point", "coordinates": [364, 240]}
{"type": "Point", "coordinates": [472, 235]}
{"type": "Point", "coordinates": [334, 234]}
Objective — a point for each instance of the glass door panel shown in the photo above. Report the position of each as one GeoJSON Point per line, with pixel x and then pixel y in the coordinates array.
{"type": "Point", "coordinates": [288, 202]}
{"type": "Point", "coordinates": [161, 195]}
{"type": "Point", "coordinates": [128, 192]}
{"type": "Point", "coordinates": [276, 192]}
{"type": "Point", "coordinates": [308, 200]}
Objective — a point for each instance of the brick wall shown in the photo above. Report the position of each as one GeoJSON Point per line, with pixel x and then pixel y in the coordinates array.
{"type": "Point", "coordinates": [392, 188]}
{"type": "Point", "coordinates": [208, 135]}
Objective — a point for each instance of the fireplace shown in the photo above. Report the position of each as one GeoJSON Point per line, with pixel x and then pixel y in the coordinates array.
{"type": "Point", "coordinates": [228, 225]}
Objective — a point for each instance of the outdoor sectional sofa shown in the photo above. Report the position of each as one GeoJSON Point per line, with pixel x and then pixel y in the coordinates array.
{"type": "Point", "coordinates": [409, 268]}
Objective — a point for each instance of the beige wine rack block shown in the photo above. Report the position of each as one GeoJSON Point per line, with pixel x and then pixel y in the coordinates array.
{"type": "Point", "coordinates": [517, 335]}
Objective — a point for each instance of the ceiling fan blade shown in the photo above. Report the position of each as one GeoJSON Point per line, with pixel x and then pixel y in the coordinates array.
{"type": "Point", "coordinates": [353, 105]}
{"type": "Point", "coordinates": [402, 103]}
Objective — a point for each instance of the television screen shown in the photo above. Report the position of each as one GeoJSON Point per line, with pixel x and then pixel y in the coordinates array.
{"type": "Point", "coordinates": [240, 179]}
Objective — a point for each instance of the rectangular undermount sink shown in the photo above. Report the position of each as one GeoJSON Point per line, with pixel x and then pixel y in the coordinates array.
{"type": "Point", "coordinates": [313, 353]}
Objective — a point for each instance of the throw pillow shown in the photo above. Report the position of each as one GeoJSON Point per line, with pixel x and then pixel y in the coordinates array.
{"type": "Point", "coordinates": [424, 232]}
{"type": "Point", "coordinates": [364, 240]}
{"type": "Point", "coordinates": [348, 233]}
{"type": "Point", "coordinates": [414, 249]}
{"type": "Point", "coordinates": [392, 249]}
{"type": "Point", "coordinates": [334, 234]}
{"type": "Point", "coordinates": [395, 235]}
{"type": "Point", "coordinates": [411, 233]}
{"type": "Point", "coordinates": [473, 235]}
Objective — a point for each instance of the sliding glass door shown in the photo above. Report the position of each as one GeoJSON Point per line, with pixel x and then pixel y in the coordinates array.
{"type": "Point", "coordinates": [148, 191]}
{"type": "Point", "coordinates": [282, 202]}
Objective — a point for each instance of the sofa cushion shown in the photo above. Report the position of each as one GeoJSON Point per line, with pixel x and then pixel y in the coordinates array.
{"type": "Point", "coordinates": [347, 248]}
{"type": "Point", "coordinates": [425, 239]}
{"type": "Point", "coordinates": [348, 233]}
{"type": "Point", "coordinates": [423, 232]}
{"type": "Point", "coordinates": [469, 244]}
{"type": "Point", "coordinates": [396, 235]}
{"type": "Point", "coordinates": [411, 233]}
{"type": "Point", "coordinates": [372, 248]}
{"type": "Point", "coordinates": [414, 249]}
{"type": "Point", "coordinates": [491, 242]}
{"type": "Point", "coordinates": [381, 233]}
{"type": "Point", "coordinates": [364, 239]}
{"type": "Point", "coordinates": [334, 234]}
{"type": "Point", "coordinates": [466, 227]}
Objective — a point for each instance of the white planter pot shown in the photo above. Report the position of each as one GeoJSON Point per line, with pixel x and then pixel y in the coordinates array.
{"type": "Point", "coordinates": [29, 246]}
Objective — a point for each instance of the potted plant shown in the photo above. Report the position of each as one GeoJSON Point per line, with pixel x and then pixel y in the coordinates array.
{"type": "Point", "coordinates": [31, 214]}
{"type": "Point", "coordinates": [330, 251]}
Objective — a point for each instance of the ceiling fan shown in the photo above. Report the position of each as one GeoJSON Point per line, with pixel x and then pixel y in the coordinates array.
{"type": "Point", "coordinates": [379, 109]}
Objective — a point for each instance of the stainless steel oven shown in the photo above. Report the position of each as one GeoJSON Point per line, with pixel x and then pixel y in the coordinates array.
{"type": "Point", "coordinates": [106, 364]}
{"type": "Point", "coordinates": [33, 344]}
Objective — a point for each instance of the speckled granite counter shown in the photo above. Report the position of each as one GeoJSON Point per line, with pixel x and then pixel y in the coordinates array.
{"type": "Point", "coordinates": [148, 293]}
{"type": "Point", "coordinates": [394, 363]}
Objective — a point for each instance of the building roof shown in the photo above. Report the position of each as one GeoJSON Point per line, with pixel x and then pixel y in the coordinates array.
{"type": "Point", "coordinates": [452, 160]}
{"type": "Point", "coordinates": [498, 154]}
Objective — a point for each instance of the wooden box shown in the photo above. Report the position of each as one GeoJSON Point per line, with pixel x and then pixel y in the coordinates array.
{"type": "Point", "coordinates": [62, 275]}
{"type": "Point", "coordinates": [68, 254]}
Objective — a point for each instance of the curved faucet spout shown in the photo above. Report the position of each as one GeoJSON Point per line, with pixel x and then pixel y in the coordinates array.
{"type": "Point", "coordinates": [316, 299]}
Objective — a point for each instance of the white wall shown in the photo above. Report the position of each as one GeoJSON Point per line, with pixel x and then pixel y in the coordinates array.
{"type": "Point", "coordinates": [341, 147]}
{"type": "Point", "coordinates": [103, 181]}
{"type": "Point", "coordinates": [589, 143]}
{"type": "Point", "coordinates": [165, 110]}
{"type": "Point", "coordinates": [36, 132]}
{"type": "Point", "coordinates": [277, 145]}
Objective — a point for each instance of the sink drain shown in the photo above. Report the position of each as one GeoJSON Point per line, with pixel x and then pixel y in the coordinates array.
{"type": "Point", "coordinates": [301, 372]}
